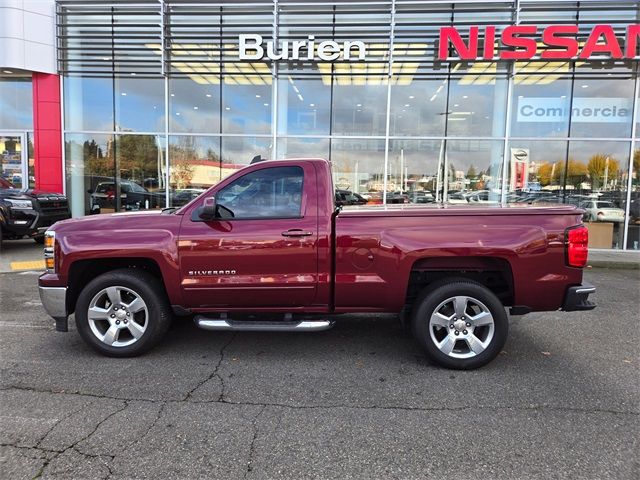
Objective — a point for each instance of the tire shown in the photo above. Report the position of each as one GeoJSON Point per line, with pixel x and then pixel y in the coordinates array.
{"type": "Point", "coordinates": [466, 307]}
{"type": "Point", "coordinates": [39, 239]}
{"type": "Point", "coordinates": [130, 326]}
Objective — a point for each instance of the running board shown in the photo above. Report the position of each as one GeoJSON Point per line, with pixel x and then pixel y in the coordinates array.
{"type": "Point", "coordinates": [208, 323]}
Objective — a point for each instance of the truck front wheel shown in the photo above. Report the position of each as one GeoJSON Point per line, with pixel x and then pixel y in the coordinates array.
{"type": "Point", "coordinates": [123, 313]}
{"type": "Point", "coordinates": [461, 324]}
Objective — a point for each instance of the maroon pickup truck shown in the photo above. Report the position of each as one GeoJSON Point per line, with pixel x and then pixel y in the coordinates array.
{"type": "Point", "coordinates": [267, 249]}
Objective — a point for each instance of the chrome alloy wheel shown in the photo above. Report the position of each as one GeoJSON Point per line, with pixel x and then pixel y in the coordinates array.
{"type": "Point", "coordinates": [461, 327]}
{"type": "Point", "coordinates": [117, 316]}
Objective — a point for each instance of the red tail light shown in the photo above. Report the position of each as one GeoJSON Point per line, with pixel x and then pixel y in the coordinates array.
{"type": "Point", "coordinates": [577, 239]}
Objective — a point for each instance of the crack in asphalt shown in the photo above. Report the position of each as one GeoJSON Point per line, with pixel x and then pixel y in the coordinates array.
{"type": "Point", "coordinates": [75, 444]}
{"type": "Point", "coordinates": [214, 373]}
{"type": "Point", "coordinates": [532, 407]}
{"type": "Point", "coordinates": [252, 448]}
{"type": "Point", "coordinates": [65, 417]}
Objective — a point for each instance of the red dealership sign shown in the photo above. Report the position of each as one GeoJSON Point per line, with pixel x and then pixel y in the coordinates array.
{"type": "Point", "coordinates": [524, 42]}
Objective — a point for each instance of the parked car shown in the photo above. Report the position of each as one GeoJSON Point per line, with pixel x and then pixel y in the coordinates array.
{"type": "Point", "coordinates": [421, 196]}
{"type": "Point", "coordinates": [601, 211]}
{"type": "Point", "coordinates": [347, 197]}
{"type": "Point", "coordinates": [457, 197]}
{"type": "Point", "coordinates": [28, 212]}
{"type": "Point", "coordinates": [181, 197]}
{"type": "Point", "coordinates": [268, 241]}
{"type": "Point", "coordinates": [132, 197]}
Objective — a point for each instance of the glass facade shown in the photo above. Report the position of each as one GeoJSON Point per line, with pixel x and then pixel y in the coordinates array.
{"type": "Point", "coordinates": [159, 105]}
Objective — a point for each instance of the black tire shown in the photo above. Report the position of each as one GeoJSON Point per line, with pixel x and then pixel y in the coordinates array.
{"type": "Point", "coordinates": [39, 239]}
{"type": "Point", "coordinates": [157, 314]}
{"type": "Point", "coordinates": [431, 300]}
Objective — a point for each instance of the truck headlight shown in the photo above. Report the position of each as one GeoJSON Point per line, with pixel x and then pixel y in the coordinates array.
{"type": "Point", "coordinates": [20, 204]}
{"type": "Point", "coordinates": [49, 251]}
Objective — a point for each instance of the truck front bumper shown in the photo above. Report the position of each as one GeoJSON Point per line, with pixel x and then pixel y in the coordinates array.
{"type": "Point", "coordinates": [576, 298]}
{"type": "Point", "coordinates": [54, 301]}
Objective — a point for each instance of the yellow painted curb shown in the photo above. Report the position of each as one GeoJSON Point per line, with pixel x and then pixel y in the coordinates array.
{"type": "Point", "coordinates": [31, 265]}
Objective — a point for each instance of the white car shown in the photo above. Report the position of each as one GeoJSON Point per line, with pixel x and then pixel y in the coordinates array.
{"type": "Point", "coordinates": [602, 211]}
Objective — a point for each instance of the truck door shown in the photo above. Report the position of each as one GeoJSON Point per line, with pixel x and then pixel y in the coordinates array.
{"type": "Point", "coordinates": [262, 252]}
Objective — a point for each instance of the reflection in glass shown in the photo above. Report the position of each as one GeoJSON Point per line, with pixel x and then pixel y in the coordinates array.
{"type": "Point", "coordinates": [88, 103]}
{"type": "Point", "coordinates": [540, 107]}
{"type": "Point", "coordinates": [246, 107]}
{"type": "Point", "coordinates": [633, 239]}
{"type": "Point", "coordinates": [359, 109]}
{"type": "Point", "coordinates": [303, 147]}
{"type": "Point", "coordinates": [474, 171]}
{"type": "Point", "coordinates": [303, 106]}
{"type": "Point", "coordinates": [194, 166]}
{"type": "Point", "coordinates": [194, 106]}
{"type": "Point", "coordinates": [477, 106]}
{"type": "Point", "coordinates": [418, 108]}
{"type": "Point", "coordinates": [89, 162]}
{"type": "Point", "coordinates": [141, 173]}
{"type": "Point", "coordinates": [536, 171]}
{"type": "Point", "coordinates": [11, 154]}
{"type": "Point", "coordinates": [267, 193]}
{"type": "Point", "coordinates": [602, 108]}
{"type": "Point", "coordinates": [358, 166]}
{"type": "Point", "coordinates": [239, 151]}
{"type": "Point", "coordinates": [31, 161]}
{"type": "Point", "coordinates": [415, 169]}
{"type": "Point", "coordinates": [596, 180]}
{"type": "Point", "coordinates": [16, 103]}
{"type": "Point", "coordinates": [139, 104]}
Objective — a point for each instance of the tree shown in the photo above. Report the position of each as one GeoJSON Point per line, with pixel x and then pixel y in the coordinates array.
{"type": "Point", "coordinates": [545, 173]}
{"type": "Point", "coordinates": [576, 171]}
{"type": "Point", "coordinates": [137, 157]}
{"type": "Point", "coordinates": [181, 173]}
{"type": "Point", "coordinates": [636, 163]}
{"type": "Point", "coordinates": [471, 173]}
{"type": "Point", "coordinates": [602, 167]}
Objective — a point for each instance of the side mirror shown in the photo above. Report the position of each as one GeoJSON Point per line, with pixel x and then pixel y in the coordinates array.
{"type": "Point", "coordinates": [209, 209]}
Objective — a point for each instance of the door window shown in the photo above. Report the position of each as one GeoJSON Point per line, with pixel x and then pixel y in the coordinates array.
{"type": "Point", "coordinates": [267, 193]}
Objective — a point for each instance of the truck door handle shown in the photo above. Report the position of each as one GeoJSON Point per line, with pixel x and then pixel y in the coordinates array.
{"type": "Point", "coordinates": [296, 232]}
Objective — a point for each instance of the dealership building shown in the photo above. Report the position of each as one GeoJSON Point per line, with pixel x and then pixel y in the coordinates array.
{"type": "Point", "coordinates": [143, 104]}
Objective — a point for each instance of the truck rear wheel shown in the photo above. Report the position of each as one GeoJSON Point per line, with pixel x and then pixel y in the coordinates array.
{"type": "Point", "coordinates": [461, 324]}
{"type": "Point", "coordinates": [123, 313]}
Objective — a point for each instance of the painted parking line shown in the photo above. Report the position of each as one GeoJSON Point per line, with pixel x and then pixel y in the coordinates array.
{"type": "Point", "coordinates": [30, 265]}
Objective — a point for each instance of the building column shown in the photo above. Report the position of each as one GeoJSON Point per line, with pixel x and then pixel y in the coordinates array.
{"type": "Point", "coordinates": [47, 132]}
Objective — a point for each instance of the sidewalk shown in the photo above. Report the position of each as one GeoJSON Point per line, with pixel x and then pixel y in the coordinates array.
{"type": "Point", "coordinates": [629, 260]}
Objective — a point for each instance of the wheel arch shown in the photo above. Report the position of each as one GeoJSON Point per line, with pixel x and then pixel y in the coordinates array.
{"type": "Point", "coordinates": [495, 273]}
{"type": "Point", "coordinates": [81, 272]}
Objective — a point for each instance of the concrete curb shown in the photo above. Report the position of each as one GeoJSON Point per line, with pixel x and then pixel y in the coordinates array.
{"type": "Point", "coordinates": [611, 264]}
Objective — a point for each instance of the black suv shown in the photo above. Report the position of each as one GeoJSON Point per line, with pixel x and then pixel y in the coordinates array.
{"type": "Point", "coordinates": [29, 212]}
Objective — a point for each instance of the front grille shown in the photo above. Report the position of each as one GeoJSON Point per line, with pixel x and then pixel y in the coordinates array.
{"type": "Point", "coordinates": [54, 206]}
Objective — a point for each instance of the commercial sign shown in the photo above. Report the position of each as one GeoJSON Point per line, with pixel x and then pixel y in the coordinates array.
{"type": "Point", "coordinates": [252, 48]}
{"type": "Point", "coordinates": [519, 170]}
{"type": "Point", "coordinates": [558, 42]}
{"type": "Point", "coordinates": [522, 42]}
{"type": "Point", "coordinates": [582, 110]}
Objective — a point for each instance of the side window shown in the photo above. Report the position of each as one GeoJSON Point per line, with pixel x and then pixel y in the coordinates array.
{"type": "Point", "coordinates": [268, 193]}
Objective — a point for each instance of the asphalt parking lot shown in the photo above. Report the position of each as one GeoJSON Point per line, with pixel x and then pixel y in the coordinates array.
{"type": "Point", "coordinates": [358, 401]}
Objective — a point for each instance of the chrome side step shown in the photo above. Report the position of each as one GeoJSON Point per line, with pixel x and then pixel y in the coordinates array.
{"type": "Point", "coordinates": [208, 323]}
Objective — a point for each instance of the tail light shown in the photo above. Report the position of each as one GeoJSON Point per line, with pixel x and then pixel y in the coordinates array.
{"type": "Point", "coordinates": [576, 240]}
